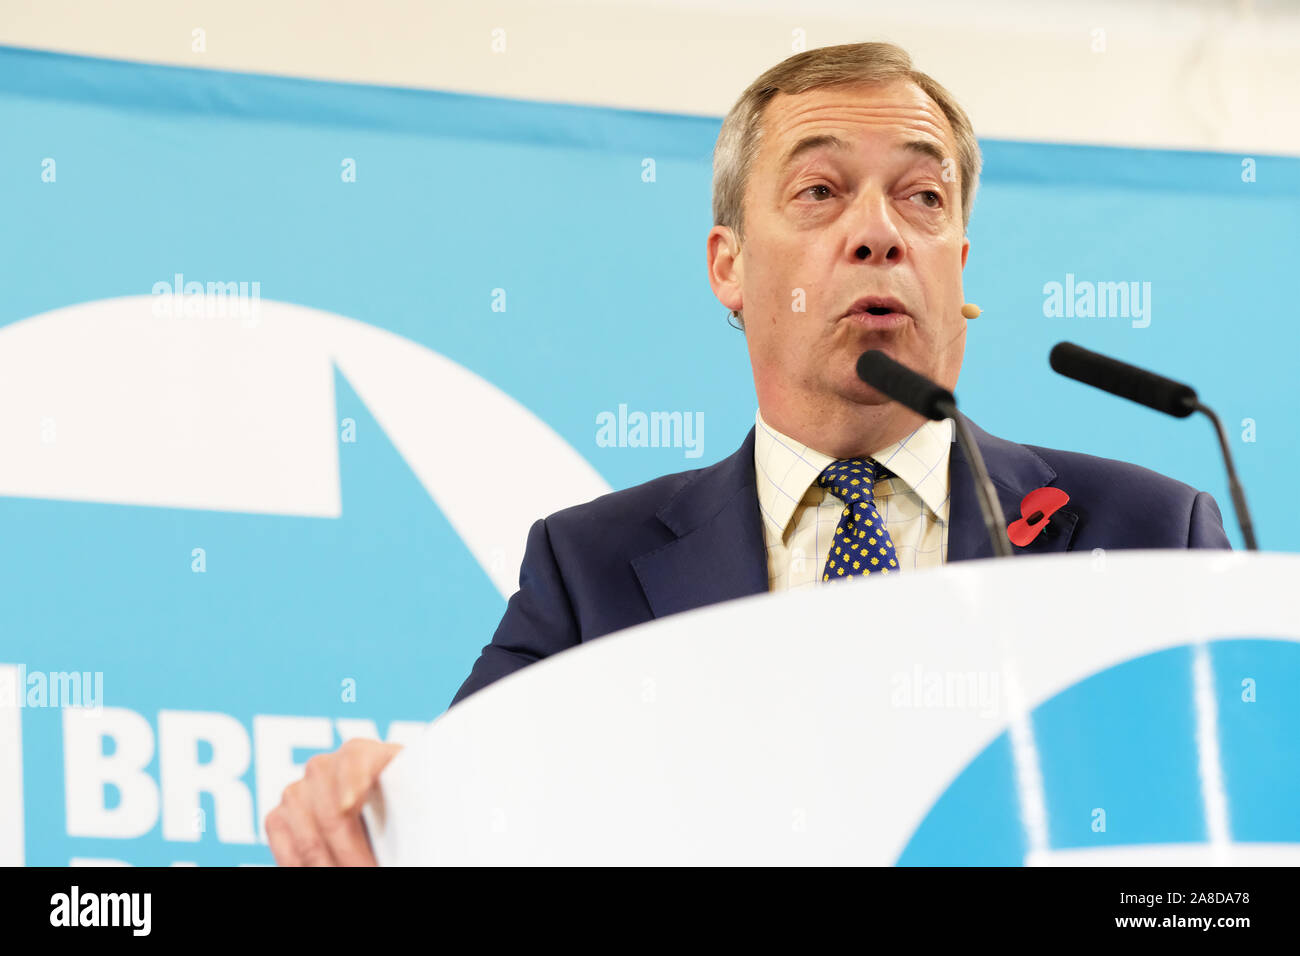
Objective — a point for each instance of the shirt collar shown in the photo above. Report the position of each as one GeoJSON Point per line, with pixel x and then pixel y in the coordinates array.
{"type": "Point", "coordinates": [784, 469]}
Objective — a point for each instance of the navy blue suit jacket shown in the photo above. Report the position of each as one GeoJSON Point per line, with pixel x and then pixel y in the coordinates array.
{"type": "Point", "coordinates": [695, 538]}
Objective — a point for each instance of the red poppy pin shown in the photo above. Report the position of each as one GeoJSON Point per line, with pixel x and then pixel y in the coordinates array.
{"type": "Point", "coordinates": [1035, 508]}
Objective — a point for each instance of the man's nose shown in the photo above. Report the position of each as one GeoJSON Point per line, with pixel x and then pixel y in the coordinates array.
{"type": "Point", "coordinates": [874, 237]}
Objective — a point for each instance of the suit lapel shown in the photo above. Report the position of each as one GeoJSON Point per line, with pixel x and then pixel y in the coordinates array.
{"type": "Point", "coordinates": [1015, 471]}
{"type": "Point", "coordinates": [719, 552]}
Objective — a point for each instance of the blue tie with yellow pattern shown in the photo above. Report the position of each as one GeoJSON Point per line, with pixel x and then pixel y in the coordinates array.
{"type": "Point", "coordinates": [861, 544]}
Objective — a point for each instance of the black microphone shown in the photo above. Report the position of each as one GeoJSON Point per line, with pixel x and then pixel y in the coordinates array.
{"type": "Point", "coordinates": [904, 386]}
{"type": "Point", "coordinates": [1126, 381]}
{"type": "Point", "coordinates": [1154, 391]}
{"type": "Point", "coordinates": [913, 390]}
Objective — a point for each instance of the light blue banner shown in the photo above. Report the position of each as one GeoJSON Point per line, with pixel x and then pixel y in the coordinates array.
{"type": "Point", "coordinates": [524, 243]}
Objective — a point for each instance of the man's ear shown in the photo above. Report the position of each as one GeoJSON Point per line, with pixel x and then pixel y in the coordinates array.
{"type": "Point", "coordinates": [726, 270]}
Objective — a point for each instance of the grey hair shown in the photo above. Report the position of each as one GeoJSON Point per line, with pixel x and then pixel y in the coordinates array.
{"type": "Point", "coordinates": [843, 65]}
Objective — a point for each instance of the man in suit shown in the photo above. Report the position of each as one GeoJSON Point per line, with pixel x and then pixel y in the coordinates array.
{"type": "Point", "coordinates": [843, 187]}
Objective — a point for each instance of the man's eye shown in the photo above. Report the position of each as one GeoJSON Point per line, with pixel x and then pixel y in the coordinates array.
{"type": "Point", "coordinates": [818, 186]}
{"type": "Point", "coordinates": [934, 201]}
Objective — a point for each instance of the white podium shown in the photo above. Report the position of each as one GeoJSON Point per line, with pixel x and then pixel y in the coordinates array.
{"type": "Point", "coordinates": [829, 726]}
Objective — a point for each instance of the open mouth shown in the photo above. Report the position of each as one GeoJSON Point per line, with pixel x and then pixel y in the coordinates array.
{"type": "Point", "coordinates": [876, 306]}
{"type": "Point", "coordinates": [878, 313]}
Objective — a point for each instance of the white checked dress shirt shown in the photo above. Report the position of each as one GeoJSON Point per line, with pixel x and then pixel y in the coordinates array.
{"type": "Point", "coordinates": [799, 517]}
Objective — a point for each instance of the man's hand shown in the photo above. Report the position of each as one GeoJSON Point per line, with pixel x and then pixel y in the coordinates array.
{"type": "Point", "coordinates": [318, 821]}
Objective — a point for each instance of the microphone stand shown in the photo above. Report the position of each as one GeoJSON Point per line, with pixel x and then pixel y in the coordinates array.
{"type": "Point", "coordinates": [985, 493]}
{"type": "Point", "coordinates": [1234, 486]}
